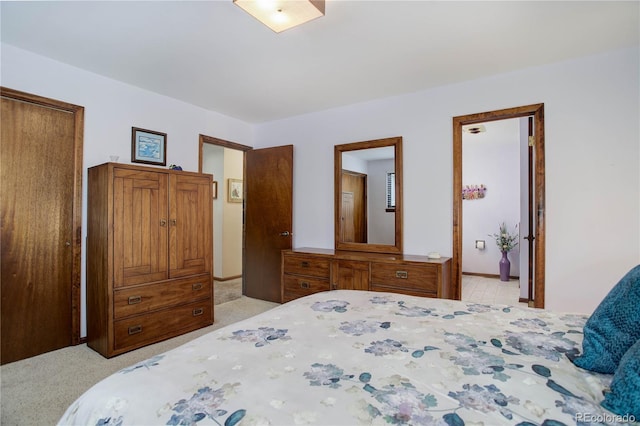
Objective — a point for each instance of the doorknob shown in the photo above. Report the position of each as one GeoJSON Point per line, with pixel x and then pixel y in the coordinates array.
{"type": "Point", "coordinates": [286, 234]}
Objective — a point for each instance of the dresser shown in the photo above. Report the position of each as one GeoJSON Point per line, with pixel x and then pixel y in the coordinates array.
{"type": "Point", "coordinates": [149, 255]}
{"type": "Point", "coordinates": [310, 270]}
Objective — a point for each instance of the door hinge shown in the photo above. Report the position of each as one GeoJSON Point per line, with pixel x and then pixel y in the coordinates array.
{"type": "Point", "coordinates": [531, 141]}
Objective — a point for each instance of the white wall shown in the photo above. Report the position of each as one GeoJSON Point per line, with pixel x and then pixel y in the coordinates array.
{"type": "Point", "coordinates": [491, 158]}
{"type": "Point", "coordinates": [213, 163]}
{"type": "Point", "coordinates": [354, 164]}
{"type": "Point", "coordinates": [592, 165]}
{"type": "Point", "coordinates": [232, 229]}
{"type": "Point", "coordinates": [592, 154]}
{"type": "Point", "coordinates": [111, 109]}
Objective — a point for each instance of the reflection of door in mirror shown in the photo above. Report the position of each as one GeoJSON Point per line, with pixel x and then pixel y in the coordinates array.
{"type": "Point", "coordinates": [348, 234]}
{"type": "Point", "coordinates": [354, 207]}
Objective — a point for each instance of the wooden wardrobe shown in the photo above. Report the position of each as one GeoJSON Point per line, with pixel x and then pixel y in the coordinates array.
{"type": "Point", "coordinates": [149, 255]}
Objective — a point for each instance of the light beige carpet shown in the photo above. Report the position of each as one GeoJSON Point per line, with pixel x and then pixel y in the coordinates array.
{"type": "Point", "coordinates": [226, 291]}
{"type": "Point", "coordinates": [38, 390]}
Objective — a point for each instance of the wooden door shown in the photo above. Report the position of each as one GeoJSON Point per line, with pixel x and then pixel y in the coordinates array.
{"type": "Point", "coordinates": [347, 229]}
{"type": "Point", "coordinates": [268, 219]}
{"type": "Point", "coordinates": [139, 227]}
{"type": "Point", "coordinates": [40, 183]}
{"type": "Point", "coordinates": [190, 233]}
{"type": "Point", "coordinates": [530, 215]}
{"type": "Point", "coordinates": [356, 184]}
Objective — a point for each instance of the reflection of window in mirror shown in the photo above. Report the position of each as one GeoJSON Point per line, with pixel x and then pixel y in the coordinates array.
{"type": "Point", "coordinates": [391, 191]}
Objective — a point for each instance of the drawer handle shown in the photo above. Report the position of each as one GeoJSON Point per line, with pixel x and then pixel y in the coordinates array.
{"type": "Point", "coordinates": [304, 264]}
{"type": "Point", "coordinates": [305, 284]}
{"type": "Point", "coordinates": [402, 274]}
{"type": "Point", "coordinates": [135, 329]}
{"type": "Point", "coordinates": [135, 300]}
{"type": "Point", "coordinates": [196, 286]}
{"type": "Point", "coordinates": [198, 311]}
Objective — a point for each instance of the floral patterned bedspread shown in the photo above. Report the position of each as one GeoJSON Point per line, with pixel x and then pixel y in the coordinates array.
{"type": "Point", "coordinates": [355, 357]}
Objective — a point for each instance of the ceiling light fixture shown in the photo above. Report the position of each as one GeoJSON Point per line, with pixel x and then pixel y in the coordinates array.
{"type": "Point", "coordinates": [474, 128]}
{"type": "Point", "coordinates": [280, 15]}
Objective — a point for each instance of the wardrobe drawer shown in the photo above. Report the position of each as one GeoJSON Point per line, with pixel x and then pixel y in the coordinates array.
{"type": "Point", "coordinates": [151, 297]}
{"type": "Point", "coordinates": [423, 278]}
{"type": "Point", "coordinates": [303, 265]}
{"type": "Point", "coordinates": [296, 286]}
{"type": "Point", "coordinates": [155, 326]}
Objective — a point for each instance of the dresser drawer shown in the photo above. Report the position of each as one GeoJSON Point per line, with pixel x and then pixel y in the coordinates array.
{"type": "Point", "coordinates": [421, 278]}
{"type": "Point", "coordinates": [146, 298]}
{"type": "Point", "coordinates": [296, 286]}
{"type": "Point", "coordinates": [148, 328]}
{"type": "Point", "coordinates": [302, 265]}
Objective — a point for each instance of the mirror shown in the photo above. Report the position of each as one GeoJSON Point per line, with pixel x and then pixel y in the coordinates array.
{"type": "Point", "coordinates": [368, 196]}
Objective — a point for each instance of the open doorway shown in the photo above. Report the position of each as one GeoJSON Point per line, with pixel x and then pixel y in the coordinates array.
{"type": "Point", "coordinates": [532, 231]}
{"type": "Point", "coordinates": [225, 161]}
{"type": "Point", "coordinates": [494, 174]}
{"type": "Point", "coordinates": [266, 206]}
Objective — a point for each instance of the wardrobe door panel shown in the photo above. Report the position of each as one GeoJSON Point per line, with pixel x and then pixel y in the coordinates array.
{"type": "Point", "coordinates": [140, 227]}
{"type": "Point", "coordinates": [190, 233]}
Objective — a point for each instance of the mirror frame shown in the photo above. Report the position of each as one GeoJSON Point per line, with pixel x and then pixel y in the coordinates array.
{"type": "Point", "coordinates": [395, 142]}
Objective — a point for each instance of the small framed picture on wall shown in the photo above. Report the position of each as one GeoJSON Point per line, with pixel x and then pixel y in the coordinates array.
{"type": "Point", "coordinates": [148, 147]}
{"type": "Point", "coordinates": [235, 190]}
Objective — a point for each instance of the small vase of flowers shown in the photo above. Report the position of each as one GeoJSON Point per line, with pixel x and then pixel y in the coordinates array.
{"type": "Point", "coordinates": [505, 242]}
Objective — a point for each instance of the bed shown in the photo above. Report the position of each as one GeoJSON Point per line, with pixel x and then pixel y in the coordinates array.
{"type": "Point", "coordinates": [356, 357]}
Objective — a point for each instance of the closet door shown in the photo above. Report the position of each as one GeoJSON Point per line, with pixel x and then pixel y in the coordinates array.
{"type": "Point", "coordinates": [139, 227]}
{"type": "Point", "coordinates": [40, 205]}
{"type": "Point", "coordinates": [190, 233]}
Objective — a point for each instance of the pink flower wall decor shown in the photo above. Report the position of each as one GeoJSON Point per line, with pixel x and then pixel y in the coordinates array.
{"type": "Point", "coordinates": [473, 192]}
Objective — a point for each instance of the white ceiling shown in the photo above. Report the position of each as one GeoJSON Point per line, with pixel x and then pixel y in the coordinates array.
{"type": "Point", "coordinates": [212, 54]}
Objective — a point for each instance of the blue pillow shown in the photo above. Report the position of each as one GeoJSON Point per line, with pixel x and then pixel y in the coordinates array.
{"type": "Point", "coordinates": [613, 327]}
{"type": "Point", "coordinates": [624, 396]}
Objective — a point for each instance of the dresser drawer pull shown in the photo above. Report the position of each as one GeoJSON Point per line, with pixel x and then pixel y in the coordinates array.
{"type": "Point", "coordinates": [304, 264]}
{"type": "Point", "coordinates": [134, 300]}
{"type": "Point", "coordinates": [196, 286]}
{"type": "Point", "coordinates": [402, 274]}
{"type": "Point", "coordinates": [305, 284]}
{"type": "Point", "coordinates": [135, 329]}
{"type": "Point", "coordinates": [198, 311]}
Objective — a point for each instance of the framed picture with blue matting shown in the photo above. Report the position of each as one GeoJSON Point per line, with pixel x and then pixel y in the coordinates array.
{"type": "Point", "coordinates": [148, 147]}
